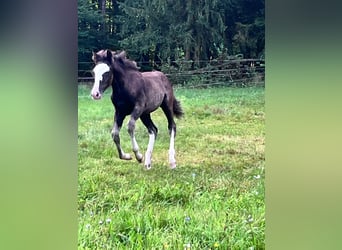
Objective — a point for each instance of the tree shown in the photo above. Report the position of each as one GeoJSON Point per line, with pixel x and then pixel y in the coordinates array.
{"type": "Point", "coordinates": [160, 29]}
{"type": "Point", "coordinates": [165, 31]}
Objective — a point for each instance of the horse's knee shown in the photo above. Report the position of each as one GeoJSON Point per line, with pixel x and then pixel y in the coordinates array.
{"type": "Point", "coordinates": [115, 136]}
{"type": "Point", "coordinates": [131, 127]}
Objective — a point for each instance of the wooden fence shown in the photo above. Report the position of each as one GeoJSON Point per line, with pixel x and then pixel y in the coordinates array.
{"type": "Point", "coordinates": [237, 72]}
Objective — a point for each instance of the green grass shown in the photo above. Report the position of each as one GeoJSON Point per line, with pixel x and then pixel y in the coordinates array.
{"type": "Point", "coordinates": [214, 199]}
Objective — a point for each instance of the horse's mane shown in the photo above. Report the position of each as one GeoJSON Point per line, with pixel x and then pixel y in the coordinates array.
{"type": "Point", "coordinates": [124, 61]}
{"type": "Point", "coordinates": [117, 56]}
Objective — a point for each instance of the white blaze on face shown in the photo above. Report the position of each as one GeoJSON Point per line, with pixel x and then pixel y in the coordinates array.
{"type": "Point", "coordinates": [99, 70]}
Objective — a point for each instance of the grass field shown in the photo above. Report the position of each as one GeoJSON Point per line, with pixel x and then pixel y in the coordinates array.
{"type": "Point", "coordinates": [214, 199]}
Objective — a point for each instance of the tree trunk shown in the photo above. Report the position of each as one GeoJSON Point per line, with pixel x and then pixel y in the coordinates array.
{"type": "Point", "coordinates": [103, 12]}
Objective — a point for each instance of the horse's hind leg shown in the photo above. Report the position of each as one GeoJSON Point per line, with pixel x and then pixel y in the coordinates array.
{"type": "Point", "coordinates": [172, 151]}
{"type": "Point", "coordinates": [116, 137]}
{"type": "Point", "coordinates": [152, 131]}
{"type": "Point", "coordinates": [172, 131]}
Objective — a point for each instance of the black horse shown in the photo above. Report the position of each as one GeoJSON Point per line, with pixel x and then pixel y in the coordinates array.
{"type": "Point", "coordinates": [136, 94]}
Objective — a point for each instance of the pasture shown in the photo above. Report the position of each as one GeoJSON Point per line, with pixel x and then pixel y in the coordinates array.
{"type": "Point", "coordinates": [214, 199]}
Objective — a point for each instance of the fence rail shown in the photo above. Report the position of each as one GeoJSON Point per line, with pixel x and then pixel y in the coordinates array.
{"type": "Point", "coordinates": [241, 72]}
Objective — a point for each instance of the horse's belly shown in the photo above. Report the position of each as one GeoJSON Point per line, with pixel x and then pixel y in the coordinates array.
{"type": "Point", "coordinates": [153, 102]}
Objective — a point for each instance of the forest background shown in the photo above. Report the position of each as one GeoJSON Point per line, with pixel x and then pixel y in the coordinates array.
{"type": "Point", "coordinates": [171, 34]}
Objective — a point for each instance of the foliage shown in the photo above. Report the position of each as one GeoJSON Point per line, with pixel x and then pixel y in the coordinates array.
{"type": "Point", "coordinates": [214, 199]}
{"type": "Point", "coordinates": [164, 32]}
{"type": "Point", "coordinates": [89, 18]}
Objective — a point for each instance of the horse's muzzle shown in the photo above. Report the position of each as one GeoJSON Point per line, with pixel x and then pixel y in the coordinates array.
{"type": "Point", "coordinates": [96, 95]}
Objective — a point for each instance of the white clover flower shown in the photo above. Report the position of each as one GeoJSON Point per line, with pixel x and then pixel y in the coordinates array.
{"type": "Point", "coordinates": [187, 246]}
{"type": "Point", "coordinates": [249, 219]}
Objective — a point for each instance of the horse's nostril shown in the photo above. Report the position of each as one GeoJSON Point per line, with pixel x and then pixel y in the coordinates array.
{"type": "Point", "coordinates": [95, 95]}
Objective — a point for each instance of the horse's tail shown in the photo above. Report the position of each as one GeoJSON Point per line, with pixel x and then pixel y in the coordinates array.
{"type": "Point", "coordinates": [177, 109]}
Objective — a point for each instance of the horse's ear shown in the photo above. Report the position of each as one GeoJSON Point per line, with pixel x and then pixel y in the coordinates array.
{"type": "Point", "coordinates": [109, 56]}
{"type": "Point", "coordinates": [93, 57]}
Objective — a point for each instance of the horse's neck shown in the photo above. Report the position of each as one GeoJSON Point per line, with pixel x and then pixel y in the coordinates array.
{"type": "Point", "coordinates": [119, 83]}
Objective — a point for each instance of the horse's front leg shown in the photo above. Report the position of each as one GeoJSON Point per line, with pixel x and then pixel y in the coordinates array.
{"type": "Point", "coordinates": [118, 119]}
{"type": "Point", "coordinates": [131, 129]}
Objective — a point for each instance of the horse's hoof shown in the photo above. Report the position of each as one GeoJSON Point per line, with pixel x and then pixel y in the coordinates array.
{"type": "Point", "coordinates": [148, 167]}
{"type": "Point", "coordinates": [139, 157]}
{"type": "Point", "coordinates": [173, 165]}
{"type": "Point", "coordinates": [126, 156]}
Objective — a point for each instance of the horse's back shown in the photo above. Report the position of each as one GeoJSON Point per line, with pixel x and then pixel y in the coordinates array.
{"type": "Point", "coordinates": [157, 80]}
{"type": "Point", "coordinates": [155, 76]}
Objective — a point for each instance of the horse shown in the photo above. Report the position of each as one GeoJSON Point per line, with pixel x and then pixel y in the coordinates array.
{"type": "Point", "coordinates": [137, 94]}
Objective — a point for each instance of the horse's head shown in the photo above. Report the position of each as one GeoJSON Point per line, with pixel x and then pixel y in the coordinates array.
{"type": "Point", "coordinates": [103, 75]}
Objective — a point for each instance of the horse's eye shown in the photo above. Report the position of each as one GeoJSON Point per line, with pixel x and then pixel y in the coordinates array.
{"type": "Point", "coordinates": [105, 75]}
